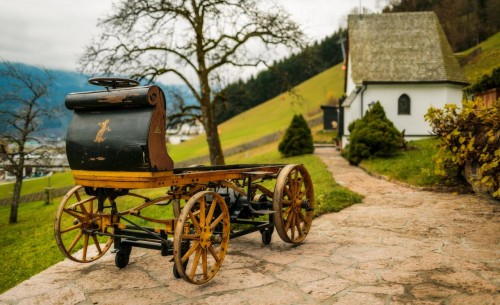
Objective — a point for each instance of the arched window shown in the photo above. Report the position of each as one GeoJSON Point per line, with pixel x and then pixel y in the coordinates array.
{"type": "Point", "coordinates": [404, 104]}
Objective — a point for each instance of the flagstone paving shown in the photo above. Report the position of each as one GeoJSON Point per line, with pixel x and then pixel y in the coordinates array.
{"type": "Point", "coordinates": [400, 246]}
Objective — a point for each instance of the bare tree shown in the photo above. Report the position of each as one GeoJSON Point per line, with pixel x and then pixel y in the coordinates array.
{"type": "Point", "coordinates": [22, 109]}
{"type": "Point", "coordinates": [192, 40]}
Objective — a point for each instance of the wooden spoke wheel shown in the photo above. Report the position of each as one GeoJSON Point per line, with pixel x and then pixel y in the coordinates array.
{"type": "Point", "coordinates": [204, 222]}
{"type": "Point", "coordinates": [293, 203]}
{"type": "Point", "coordinates": [77, 225]}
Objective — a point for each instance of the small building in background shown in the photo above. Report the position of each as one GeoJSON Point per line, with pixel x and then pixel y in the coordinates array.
{"type": "Point", "coordinates": [184, 132]}
{"type": "Point", "coordinates": [330, 117]}
{"type": "Point", "coordinates": [404, 61]}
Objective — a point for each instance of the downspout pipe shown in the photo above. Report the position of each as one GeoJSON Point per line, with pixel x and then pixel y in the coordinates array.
{"type": "Point", "coordinates": [363, 88]}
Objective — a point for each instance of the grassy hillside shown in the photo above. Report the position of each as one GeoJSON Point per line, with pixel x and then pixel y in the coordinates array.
{"type": "Point", "coordinates": [481, 59]}
{"type": "Point", "coordinates": [271, 116]}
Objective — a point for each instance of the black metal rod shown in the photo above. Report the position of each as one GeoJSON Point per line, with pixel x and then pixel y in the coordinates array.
{"type": "Point", "coordinates": [250, 230]}
{"type": "Point", "coordinates": [155, 235]}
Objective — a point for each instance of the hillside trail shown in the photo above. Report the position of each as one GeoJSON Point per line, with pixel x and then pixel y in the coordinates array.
{"type": "Point", "coordinates": [400, 246]}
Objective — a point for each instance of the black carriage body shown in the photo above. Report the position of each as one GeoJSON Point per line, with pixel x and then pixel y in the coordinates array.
{"type": "Point", "coordinates": [118, 130]}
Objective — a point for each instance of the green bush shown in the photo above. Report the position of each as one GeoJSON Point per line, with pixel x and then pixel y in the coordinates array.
{"type": "Point", "coordinates": [486, 83]}
{"type": "Point", "coordinates": [469, 138]}
{"type": "Point", "coordinates": [298, 138]}
{"type": "Point", "coordinates": [372, 136]}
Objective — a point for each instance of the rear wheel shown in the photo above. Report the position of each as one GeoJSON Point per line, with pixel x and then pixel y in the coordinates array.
{"type": "Point", "coordinates": [293, 203]}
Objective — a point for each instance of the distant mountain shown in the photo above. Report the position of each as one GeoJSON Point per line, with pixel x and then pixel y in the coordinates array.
{"type": "Point", "coordinates": [66, 82]}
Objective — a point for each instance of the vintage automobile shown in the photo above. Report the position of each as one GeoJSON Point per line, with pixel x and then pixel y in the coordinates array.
{"type": "Point", "coordinates": [116, 146]}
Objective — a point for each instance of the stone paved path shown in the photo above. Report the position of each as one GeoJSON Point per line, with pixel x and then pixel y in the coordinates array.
{"type": "Point", "coordinates": [400, 246]}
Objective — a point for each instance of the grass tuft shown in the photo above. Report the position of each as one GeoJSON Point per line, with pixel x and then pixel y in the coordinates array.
{"type": "Point", "coordinates": [414, 166]}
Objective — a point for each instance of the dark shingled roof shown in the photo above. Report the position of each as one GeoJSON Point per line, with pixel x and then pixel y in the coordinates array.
{"type": "Point", "coordinates": [401, 47]}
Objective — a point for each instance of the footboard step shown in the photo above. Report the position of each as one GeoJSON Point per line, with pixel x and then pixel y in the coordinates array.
{"type": "Point", "coordinates": [258, 174]}
{"type": "Point", "coordinates": [263, 212]}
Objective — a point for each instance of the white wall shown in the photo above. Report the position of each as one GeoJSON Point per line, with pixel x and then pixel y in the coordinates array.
{"type": "Point", "coordinates": [422, 97]}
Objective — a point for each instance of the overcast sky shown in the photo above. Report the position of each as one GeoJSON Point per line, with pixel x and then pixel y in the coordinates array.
{"type": "Point", "coordinates": [53, 33]}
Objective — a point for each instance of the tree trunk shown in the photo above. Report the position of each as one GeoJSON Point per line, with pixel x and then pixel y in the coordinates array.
{"type": "Point", "coordinates": [214, 145]}
{"type": "Point", "coordinates": [216, 154]}
{"type": "Point", "coordinates": [15, 199]}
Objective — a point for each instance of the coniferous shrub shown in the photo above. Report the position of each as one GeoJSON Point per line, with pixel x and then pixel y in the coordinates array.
{"type": "Point", "coordinates": [372, 136]}
{"type": "Point", "coordinates": [298, 138]}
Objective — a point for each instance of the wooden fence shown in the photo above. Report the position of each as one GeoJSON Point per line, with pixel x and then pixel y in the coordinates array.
{"type": "Point", "coordinates": [37, 196]}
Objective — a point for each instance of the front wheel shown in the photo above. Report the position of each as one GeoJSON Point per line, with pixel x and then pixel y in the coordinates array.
{"type": "Point", "coordinates": [77, 227]}
{"type": "Point", "coordinates": [204, 223]}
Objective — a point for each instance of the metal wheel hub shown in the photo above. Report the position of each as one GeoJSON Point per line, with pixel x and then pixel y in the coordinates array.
{"type": "Point", "coordinates": [205, 237]}
{"type": "Point", "coordinates": [297, 204]}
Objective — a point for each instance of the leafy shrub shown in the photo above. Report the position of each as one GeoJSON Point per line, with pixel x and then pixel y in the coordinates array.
{"type": "Point", "coordinates": [470, 137]}
{"type": "Point", "coordinates": [298, 138]}
{"type": "Point", "coordinates": [372, 136]}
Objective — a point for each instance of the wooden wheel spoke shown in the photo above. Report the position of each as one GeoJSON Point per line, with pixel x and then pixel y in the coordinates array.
{"type": "Point", "coordinates": [191, 236]}
{"type": "Point", "coordinates": [214, 254]}
{"type": "Point", "coordinates": [74, 214]}
{"type": "Point", "coordinates": [291, 187]}
{"type": "Point", "coordinates": [196, 260]}
{"type": "Point", "coordinates": [211, 212]}
{"type": "Point", "coordinates": [289, 221]}
{"type": "Point", "coordinates": [202, 211]}
{"type": "Point", "coordinates": [286, 212]}
{"type": "Point", "coordinates": [289, 192]}
{"type": "Point", "coordinates": [300, 186]}
{"type": "Point", "coordinates": [85, 246]}
{"type": "Point", "coordinates": [75, 241]}
{"type": "Point", "coordinates": [292, 231]}
{"type": "Point", "coordinates": [78, 225]}
{"type": "Point", "coordinates": [296, 177]}
{"type": "Point", "coordinates": [196, 224]}
{"type": "Point", "coordinates": [78, 197]}
{"type": "Point", "coordinates": [297, 224]}
{"type": "Point", "coordinates": [216, 221]}
{"type": "Point", "coordinates": [286, 202]}
{"type": "Point", "coordinates": [300, 194]}
{"type": "Point", "coordinates": [204, 262]}
{"type": "Point", "coordinates": [82, 207]}
{"type": "Point", "coordinates": [97, 245]}
{"type": "Point", "coordinates": [301, 217]}
{"type": "Point", "coordinates": [80, 202]}
{"type": "Point", "coordinates": [190, 251]}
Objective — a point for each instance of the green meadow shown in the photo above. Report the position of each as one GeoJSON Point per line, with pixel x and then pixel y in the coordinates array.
{"type": "Point", "coordinates": [269, 117]}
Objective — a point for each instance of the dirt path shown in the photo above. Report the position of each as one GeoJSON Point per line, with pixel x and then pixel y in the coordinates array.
{"type": "Point", "coordinates": [400, 246]}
